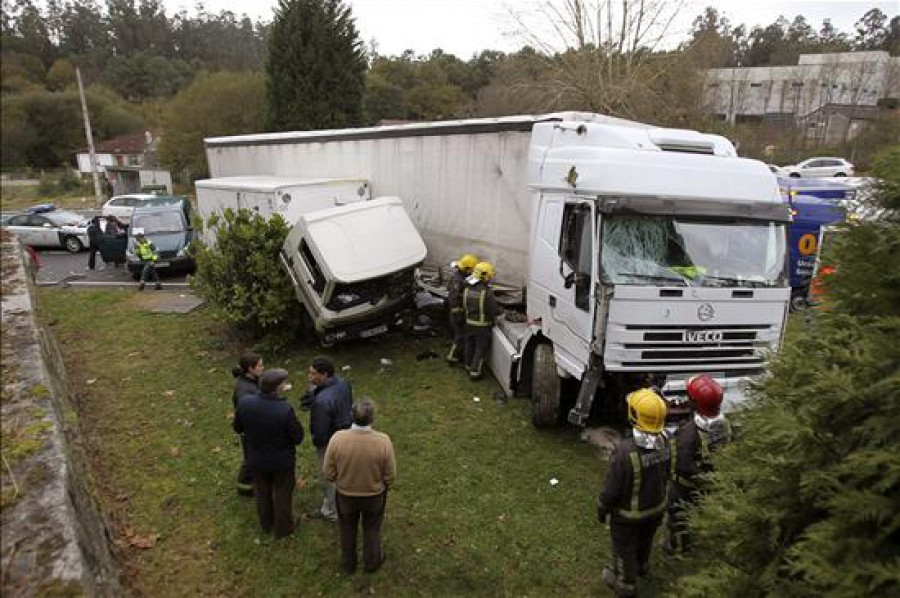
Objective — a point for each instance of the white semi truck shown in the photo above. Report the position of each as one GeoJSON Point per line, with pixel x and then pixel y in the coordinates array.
{"type": "Point", "coordinates": [345, 288]}
{"type": "Point", "coordinates": [639, 251]}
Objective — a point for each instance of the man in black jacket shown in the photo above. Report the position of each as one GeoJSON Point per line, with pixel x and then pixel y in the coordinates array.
{"type": "Point", "coordinates": [94, 230]}
{"type": "Point", "coordinates": [273, 432]}
{"type": "Point", "coordinates": [634, 491]}
{"type": "Point", "coordinates": [331, 410]}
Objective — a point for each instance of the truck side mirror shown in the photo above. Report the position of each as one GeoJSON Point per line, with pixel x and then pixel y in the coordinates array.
{"type": "Point", "coordinates": [569, 280]}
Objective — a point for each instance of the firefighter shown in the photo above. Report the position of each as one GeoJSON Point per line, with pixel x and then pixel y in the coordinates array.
{"type": "Point", "coordinates": [480, 309]}
{"type": "Point", "coordinates": [634, 491]}
{"type": "Point", "coordinates": [693, 444]}
{"type": "Point", "coordinates": [462, 269]}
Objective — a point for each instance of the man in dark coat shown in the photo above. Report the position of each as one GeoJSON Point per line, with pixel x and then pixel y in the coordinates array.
{"type": "Point", "coordinates": [331, 410]}
{"type": "Point", "coordinates": [94, 230]}
{"type": "Point", "coordinates": [273, 433]}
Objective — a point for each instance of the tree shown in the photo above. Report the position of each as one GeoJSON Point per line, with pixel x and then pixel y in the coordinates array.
{"type": "Point", "coordinates": [805, 502]}
{"type": "Point", "coordinates": [61, 75]}
{"type": "Point", "coordinates": [600, 55]}
{"type": "Point", "coordinates": [214, 104]}
{"type": "Point", "coordinates": [241, 275]}
{"type": "Point", "coordinates": [871, 31]}
{"type": "Point", "coordinates": [316, 67]}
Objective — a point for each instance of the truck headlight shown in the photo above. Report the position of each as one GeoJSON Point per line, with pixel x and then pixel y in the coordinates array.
{"type": "Point", "coordinates": [183, 251]}
{"type": "Point", "coordinates": [347, 298]}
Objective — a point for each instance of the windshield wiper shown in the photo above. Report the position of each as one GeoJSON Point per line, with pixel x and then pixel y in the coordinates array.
{"type": "Point", "coordinates": [683, 282]}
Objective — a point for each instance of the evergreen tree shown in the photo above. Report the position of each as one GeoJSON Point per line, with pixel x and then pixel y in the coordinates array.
{"type": "Point", "coordinates": [807, 501]}
{"type": "Point", "coordinates": [316, 67]}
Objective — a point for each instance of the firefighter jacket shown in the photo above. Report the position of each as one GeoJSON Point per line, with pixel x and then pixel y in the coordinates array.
{"type": "Point", "coordinates": [455, 292]}
{"type": "Point", "coordinates": [145, 251]}
{"type": "Point", "coordinates": [635, 486]}
{"type": "Point", "coordinates": [480, 305]}
{"type": "Point", "coordinates": [692, 449]}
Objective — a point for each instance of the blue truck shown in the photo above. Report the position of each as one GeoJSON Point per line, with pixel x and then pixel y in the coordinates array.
{"type": "Point", "coordinates": [810, 215]}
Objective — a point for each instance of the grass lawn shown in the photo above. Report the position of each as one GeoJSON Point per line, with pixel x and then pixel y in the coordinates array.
{"type": "Point", "coordinates": [19, 197]}
{"type": "Point", "coordinates": [473, 512]}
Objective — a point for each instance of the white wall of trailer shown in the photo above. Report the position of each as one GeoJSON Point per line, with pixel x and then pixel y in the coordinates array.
{"type": "Point", "coordinates": [464, 192]}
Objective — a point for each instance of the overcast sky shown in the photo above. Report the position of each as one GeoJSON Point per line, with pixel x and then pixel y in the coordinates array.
{"type": "Point", "coordinates": [464, 27]}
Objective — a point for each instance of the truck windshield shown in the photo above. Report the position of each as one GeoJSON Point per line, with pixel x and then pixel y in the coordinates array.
{"type": "Point", "coordinates": [690, 251]}
{"type": "Point", "coordinates": [159, 222]}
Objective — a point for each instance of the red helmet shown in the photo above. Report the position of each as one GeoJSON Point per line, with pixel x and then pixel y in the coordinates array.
{"type": "Point", "coordinates": [706, 395]}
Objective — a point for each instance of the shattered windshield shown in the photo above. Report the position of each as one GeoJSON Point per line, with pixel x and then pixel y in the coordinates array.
{"type": "Point", "coordinates": [690, 251]}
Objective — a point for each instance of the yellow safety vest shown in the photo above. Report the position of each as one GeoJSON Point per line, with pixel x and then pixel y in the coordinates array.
{"type": "Point", "coordinates": [473, 302]}
{"type": "Point", "coordinates": [145, 252]}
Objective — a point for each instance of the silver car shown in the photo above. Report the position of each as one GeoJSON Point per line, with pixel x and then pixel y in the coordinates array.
{"type": "Point", "coordinates": [56, 228]}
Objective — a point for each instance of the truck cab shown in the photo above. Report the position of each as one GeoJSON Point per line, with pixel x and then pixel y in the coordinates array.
{"type": "Point", "coordinates": [353, 267]}
{"type": "Point", "coordinates": [655, 254]}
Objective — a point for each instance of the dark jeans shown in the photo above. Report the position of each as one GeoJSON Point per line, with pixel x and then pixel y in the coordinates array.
{"type": "Point", "coordinates": [371, 510]}
{"type": "Point", "coordinates": [244, 477]}
{"type": "Point", "coordinates": [149, 273]}
{"type": "Point", "coordinates": [93, 250]}
{"type": "Point", "coordinates": [274, 491]}
{"type": "Point", "coordinates": [631, 546]}
{"type": "Point", "coordinates": [478, 341]}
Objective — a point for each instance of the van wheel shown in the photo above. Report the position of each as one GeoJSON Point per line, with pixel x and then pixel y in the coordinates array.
{"type": "Point", "coordinates": [73, 245]}
{"type": "Point", "coordinates": [546, 388]}
{"type": "Point", "coordinates": [795, 175]}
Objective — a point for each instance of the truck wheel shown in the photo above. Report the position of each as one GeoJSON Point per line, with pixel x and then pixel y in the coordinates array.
{"type": "Point", "coordinates": [799, 302]}
{"type": "Point", "coordinates": [73, 245]}
{"type": "Point", "coordinates": [545, 388]}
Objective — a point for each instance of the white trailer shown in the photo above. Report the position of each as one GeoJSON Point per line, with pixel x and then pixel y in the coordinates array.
{"type": "Point", "coordinates": [645, 252]}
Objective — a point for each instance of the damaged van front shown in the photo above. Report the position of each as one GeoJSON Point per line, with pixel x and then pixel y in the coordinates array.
{"type": "Point", "coordinates": [353, 267]}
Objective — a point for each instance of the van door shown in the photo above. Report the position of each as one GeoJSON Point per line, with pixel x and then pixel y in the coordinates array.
{"type": "Point", "coordinates": [563, 276]}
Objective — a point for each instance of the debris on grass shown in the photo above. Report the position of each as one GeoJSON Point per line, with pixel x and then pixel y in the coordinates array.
{"type": "Point", "coordinates": [346, 368]}
{"type": "Point", "coordinates": [169, 393]}
{"type": "Point", "coordinates": [554, 481]}
{"type": "Point", "coordinates": [476, 399]}
{"type": "Point", "coordinates": [90, 381]}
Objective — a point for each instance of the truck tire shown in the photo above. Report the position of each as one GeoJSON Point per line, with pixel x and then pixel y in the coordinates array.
{"type": "Point", "coordinates": [546, 388]}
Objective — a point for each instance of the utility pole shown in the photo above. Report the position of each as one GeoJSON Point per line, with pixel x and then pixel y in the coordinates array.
{"type": "Point", "coordinates": [90, 139]}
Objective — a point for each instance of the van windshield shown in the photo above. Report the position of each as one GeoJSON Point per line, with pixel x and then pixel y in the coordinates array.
{"type": "Point", "coordinates": [159, 222]}
{"type": "Point", "coordinates": [690, 251]}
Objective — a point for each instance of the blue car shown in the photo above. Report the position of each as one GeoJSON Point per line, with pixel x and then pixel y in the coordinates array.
{"type": "Point", "coordinates": [169, 231]}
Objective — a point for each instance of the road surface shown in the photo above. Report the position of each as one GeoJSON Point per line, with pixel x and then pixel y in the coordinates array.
{"type": "Point", "coordinates": [58, 265]}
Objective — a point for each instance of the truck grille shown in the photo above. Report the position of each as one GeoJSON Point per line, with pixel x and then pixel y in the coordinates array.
{"type": "Point", "coordinates": [692, 348]}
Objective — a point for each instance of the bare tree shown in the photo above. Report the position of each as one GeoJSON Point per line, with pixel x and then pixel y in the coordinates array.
{"type": "Point", "coordinates": [601, 55]}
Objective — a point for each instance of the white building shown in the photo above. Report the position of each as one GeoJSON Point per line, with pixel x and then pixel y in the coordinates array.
{"type": "Point", "coordinates": [138, 149]}
{"type": "Point", "coordinates": [800, 94]}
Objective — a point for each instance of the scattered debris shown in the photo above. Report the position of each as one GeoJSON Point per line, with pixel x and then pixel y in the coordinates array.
{"type": "Point", "coordinates": [143, 542]}
{"type": "Point", "coordinates": [385, 362]}
{"type": "Point", "coordinates": [134, 354]}
{"type": "Point", "coordinates": [169, 393]}
{"type": "Point", "coordinates": [476, 399]}
{"type": "Point", "coordinates": [554, 481]}
{"type": "Point", "coordinates": [346, 368]}
{"type": "Point", "coordinates": [91, 381]}
{"type": "Point", "coordinates": [174, 451]}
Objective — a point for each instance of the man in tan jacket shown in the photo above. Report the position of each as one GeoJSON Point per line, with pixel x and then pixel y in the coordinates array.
{"type": "Point", "coordinates": [360, 461]}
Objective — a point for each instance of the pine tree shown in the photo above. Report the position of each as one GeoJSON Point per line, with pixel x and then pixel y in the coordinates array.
{"type": "Point", "coordinates": [316, 67]}
{"type": "Point", "coordinates": [807, 501]}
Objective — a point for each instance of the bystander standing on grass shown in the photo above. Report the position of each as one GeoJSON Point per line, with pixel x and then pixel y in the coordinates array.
{"type": "Point", "coordinates": [246, 382]}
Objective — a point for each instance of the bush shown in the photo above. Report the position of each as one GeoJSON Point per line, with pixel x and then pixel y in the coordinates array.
{"type": "Point", "coordinates": [242, 278]}
{"type": "Point", "coordinates": [805, 503]}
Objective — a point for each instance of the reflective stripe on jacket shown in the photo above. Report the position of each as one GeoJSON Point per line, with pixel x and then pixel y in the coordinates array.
{"type": "Point", "coordinates": [146, 252]}
{"type": "Point", "coordinates": [480, 305]}
{"type": "Point", "coordinates": [635, 488]}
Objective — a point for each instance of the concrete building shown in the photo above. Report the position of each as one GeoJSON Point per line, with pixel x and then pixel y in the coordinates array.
{"type": "Point", "coordinates": [830, 95]}
{"type": "Point", "coordinates": [138, 149]}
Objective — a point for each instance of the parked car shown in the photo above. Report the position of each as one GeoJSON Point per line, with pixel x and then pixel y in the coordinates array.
{"type": "Point", "coordinates": [44, 226]}
{"type": "Point", "coordinates": [121, 206]}
{"type": "Point", "coordinates": [820, 167]}
{"type": "Point", "coordinates": [168, 229]}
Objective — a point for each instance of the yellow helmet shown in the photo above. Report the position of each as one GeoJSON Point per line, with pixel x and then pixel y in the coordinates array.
{"type": "Point", "coordinates": [646, 411]}
{"type": "Point", "coordinates": [483, 271]}
{"type": "Point", "coordinates": [467, 262]}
